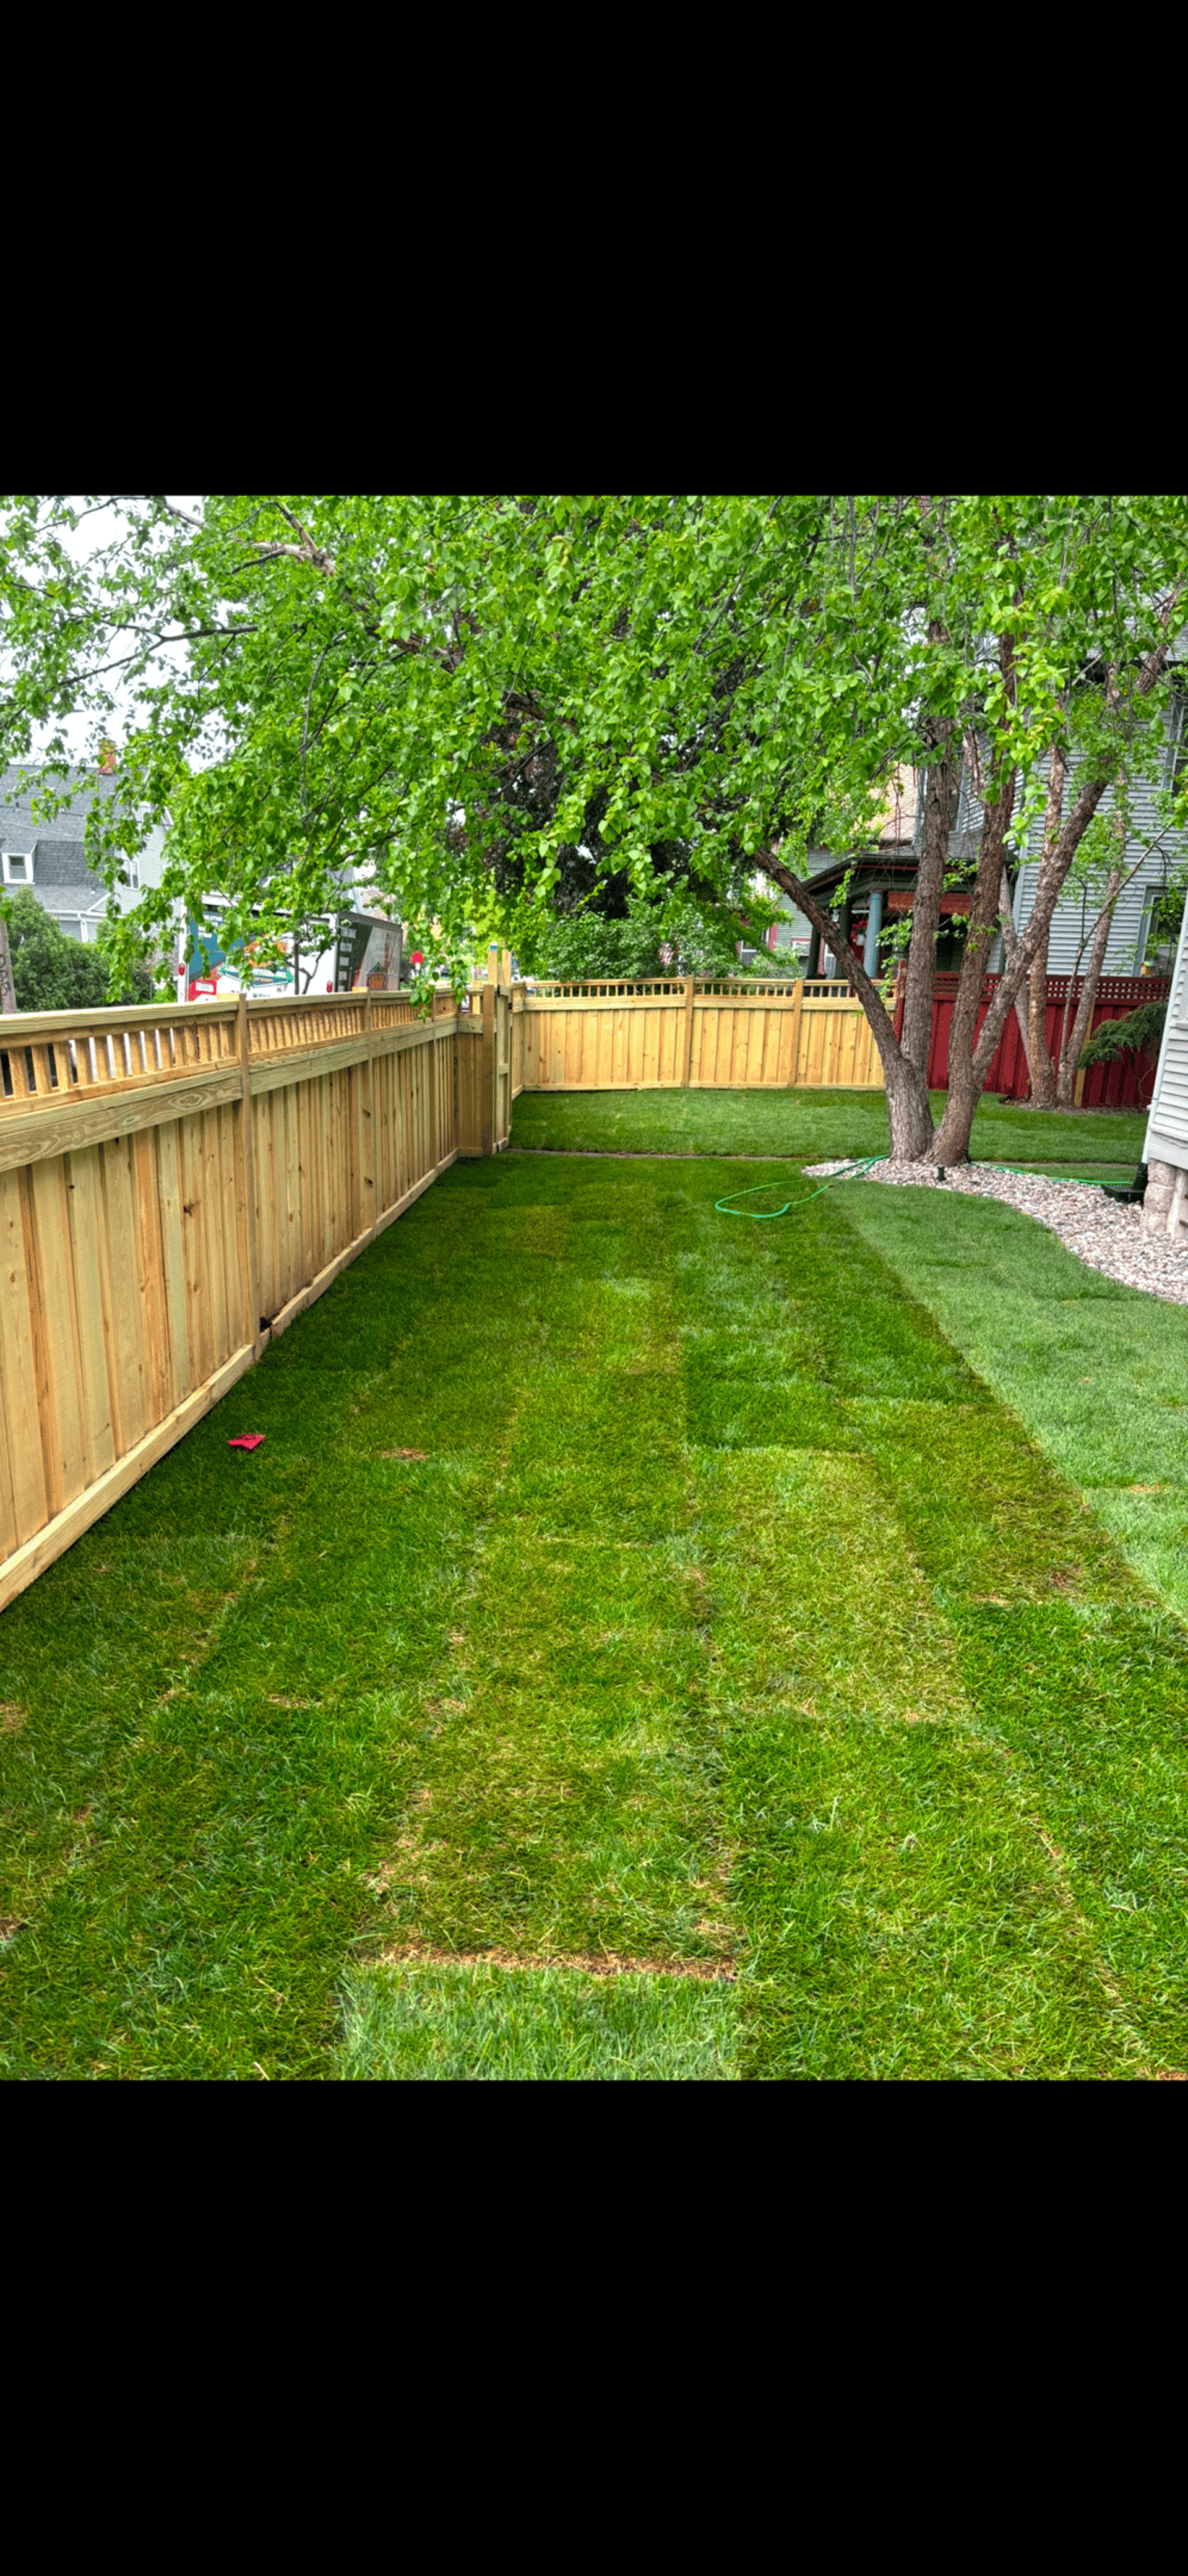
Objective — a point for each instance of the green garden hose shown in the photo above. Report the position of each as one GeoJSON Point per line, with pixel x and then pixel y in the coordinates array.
{"type": "Point", "coordinates": [852, 1172]}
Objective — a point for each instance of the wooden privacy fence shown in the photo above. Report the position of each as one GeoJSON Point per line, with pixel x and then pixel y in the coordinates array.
{"type": "Point", "coordinates": [175, 1187]}
{"type": "Point", "coordinates": [682, 1034]}
{"type": "Point", "coordinates": [686, 1035]}
{"type": "Point", "coordinates": [1118, 1085]}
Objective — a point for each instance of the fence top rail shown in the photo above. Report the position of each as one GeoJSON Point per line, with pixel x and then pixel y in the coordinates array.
{"type": "Point", "coordinates": [276, 1029]}
{"type": "Point", "coordinates": [1110, 988]}
{"type": "Point", "coordinates": [24, 1028]}
{"type": "Point", "coordinates": [675, 989]}
{"type": "Point", "coordinates": [609, 987]}
{"type": "Point", "coordinates": [1113, 988]}
{"type": "Point", "coordinates": [81, 1052]}
{"type": "Point", "coordinates": [821, 988]}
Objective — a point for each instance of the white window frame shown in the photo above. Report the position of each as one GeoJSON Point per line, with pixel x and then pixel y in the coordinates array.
{"type": "Point", "coordinates": [24, 859]}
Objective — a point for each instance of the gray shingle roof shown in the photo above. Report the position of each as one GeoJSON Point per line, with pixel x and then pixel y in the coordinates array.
{"type": "Point", "coordinates": [63, 863]}
{"type": "Point", "coordinates": [18, 787]}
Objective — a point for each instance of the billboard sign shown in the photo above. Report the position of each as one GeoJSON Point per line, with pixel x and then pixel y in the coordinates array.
{"type": "Point", "coordinates": [368, 954]}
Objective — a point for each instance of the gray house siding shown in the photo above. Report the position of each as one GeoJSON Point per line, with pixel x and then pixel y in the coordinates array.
{"type": "Point", "coordinates": [1167, 1123]}
{"type": "Point", "coordinates": [1075, 913]}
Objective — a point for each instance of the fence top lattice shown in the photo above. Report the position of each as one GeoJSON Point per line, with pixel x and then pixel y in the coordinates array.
{"type": "Point", "coordinates": [675, 989]}
{"type": "Point", "coordinates": [105, 1051]}
{"type": "Point", "coordinates": [1110, 988]}
{"type": "Point", "coordinates": [59, 1052]}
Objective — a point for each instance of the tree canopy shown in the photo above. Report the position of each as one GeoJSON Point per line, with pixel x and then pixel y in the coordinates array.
{"type": "Point", "coordinates": [512, 707]}
{"type": "Point", "coordinates": [53, 973]}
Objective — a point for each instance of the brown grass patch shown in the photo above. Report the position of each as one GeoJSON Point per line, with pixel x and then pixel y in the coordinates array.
{"type": "Point", "coordinates": [582, 1963]}
{"type": "Point", "coordinates": [12, 1718]}
{"type": "Point", "coordinates": [419, 1455]}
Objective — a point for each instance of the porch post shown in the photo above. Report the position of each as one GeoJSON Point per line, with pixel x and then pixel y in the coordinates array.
{"type": "Point", "coordinates": [874, 923]}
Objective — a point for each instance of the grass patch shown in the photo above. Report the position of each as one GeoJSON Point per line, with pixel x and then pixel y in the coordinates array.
{"type": "Point", "coordinates": [1097, 1372]}
{"type": "Point", "coordinates": [816, 1127]}
{"type": "Point", "coordinates": [486, 2025]}
{"type": "Point", "coordinates": [620, 1580]}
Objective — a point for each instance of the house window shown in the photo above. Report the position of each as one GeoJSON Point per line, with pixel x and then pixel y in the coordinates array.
{"type": "Point", "coordinates": [16, 868]}
{"type": "Point", "coordinates": [1177, 749]}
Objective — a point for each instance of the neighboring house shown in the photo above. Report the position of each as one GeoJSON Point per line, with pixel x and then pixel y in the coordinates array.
{"type": "Point", "coordinates": [50, 858]}
{"type": "Point", "coordinates": [885, 874]}
{"type": "Point", "coordinates": [882, 886]}
{"type": "Point", "coordinates": [1075, 914]}
{"type": "Point", "coordinates": [1165, 1150]}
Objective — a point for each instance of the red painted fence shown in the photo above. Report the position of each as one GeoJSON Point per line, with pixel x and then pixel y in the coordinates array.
{"type": "Point", "coordinates": [1106, 1086]}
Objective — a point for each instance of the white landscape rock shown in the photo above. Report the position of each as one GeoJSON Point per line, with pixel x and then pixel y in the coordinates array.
{"type": "Point", "coordinates": [1102, 1233]}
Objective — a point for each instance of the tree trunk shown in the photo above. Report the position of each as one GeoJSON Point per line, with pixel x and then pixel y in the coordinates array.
{"type": "Point", "coordinates": [942, 788]}
{"type": "Point", "coordinates": [908, 1107]}
{"type": "Point", "coordinates": [909, 1112]}
{"type": "Point", "coordinates": [988, 890]}
{"type": "Point", "coordinates": [1010, 942]}
{"type": "Point", "coordinates": [1054, 867]}
{"type": "Point", "coordinates": [8, 999]}
{"type": "Point", "coordinates": [1043, 1071]}
{"type": "Point", "coordinates": [1011, 981]}
{"type": "Point", "coordinates": [1070, 1051]}
{"type": "Point", "coordinates": [1039, 1060]}
{"type": "Point", "coordinates": [913, 1136]}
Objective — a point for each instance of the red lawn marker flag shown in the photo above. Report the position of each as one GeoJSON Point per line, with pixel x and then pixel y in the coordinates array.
{"type": "Point", "coordinates": [247, 1440]}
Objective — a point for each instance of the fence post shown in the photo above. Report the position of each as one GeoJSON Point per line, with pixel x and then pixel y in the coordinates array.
{"type": "Point", "coordinates": [797, 1005]}
{"type": "Point", "coordinates": [246, 1173]}
{"type": "Point", "coordinates": [689, 988]}
{"type": "Point", "coordinates": [370, 1170]}
{"type": "Point", "coordinates": [487, 1073]}
{"type": "Point", "coordinates": [455, 1043]}
{"type": "Point", "coordinates": [434, 1148]}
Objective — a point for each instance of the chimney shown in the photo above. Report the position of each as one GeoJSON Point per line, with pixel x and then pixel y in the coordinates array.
{"type": "Point", "coordinates": [108, 760]}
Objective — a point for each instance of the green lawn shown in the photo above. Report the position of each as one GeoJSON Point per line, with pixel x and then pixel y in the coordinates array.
{"type": "Point", "coordinates": [817, 1127]}
{"type": "Point", "coordinates": [762, 1612]}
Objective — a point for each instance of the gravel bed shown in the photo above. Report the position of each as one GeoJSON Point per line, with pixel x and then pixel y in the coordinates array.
{"type": "Point", "coordinates": [1101, 1232]}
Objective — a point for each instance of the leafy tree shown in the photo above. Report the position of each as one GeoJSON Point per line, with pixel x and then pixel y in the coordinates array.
{"type": "Point", "coordinates": [491, 700]}
{"type": "Point", "coordinates": [1138, 1035]}
{"type": "Point", "coordinates": [49, 971]}
{"type": "Point", "coordinates": [53, 973]}
{"type": "Point", "coordinates": [653, 937]}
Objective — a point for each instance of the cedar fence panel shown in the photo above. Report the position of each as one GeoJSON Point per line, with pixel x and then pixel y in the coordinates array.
{"type": "Point", "coordinates": [684, 1035]}
{"type": "Point", "coordinates": [175, 1187]}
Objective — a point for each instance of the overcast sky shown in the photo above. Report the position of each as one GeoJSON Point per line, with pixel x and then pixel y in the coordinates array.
{"type": "Point", "coordinates": [97, 530]}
